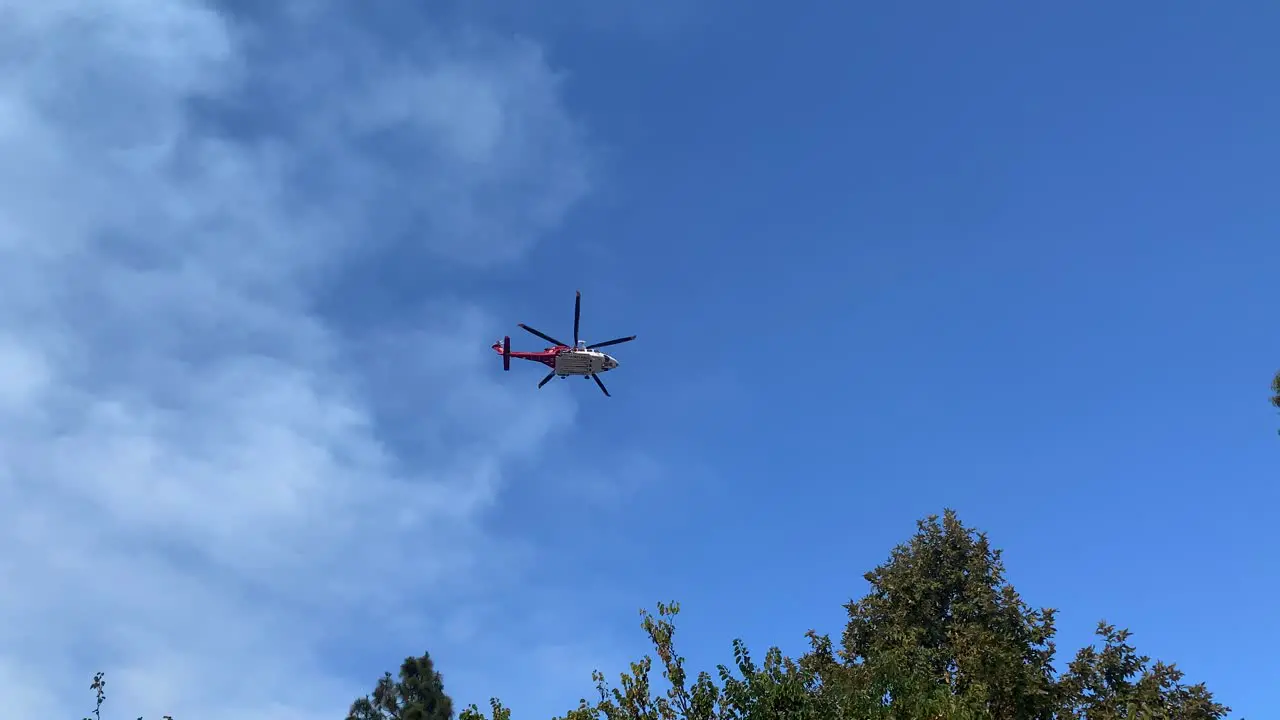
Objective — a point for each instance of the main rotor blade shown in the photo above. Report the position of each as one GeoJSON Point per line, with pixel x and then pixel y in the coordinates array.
{"type": "Point", "coordinates": [601, 384]}
{"type": "Point", "coordinates": [544, 336]}
{"type": "Point", "coordinates": [577, 313]}
{"type": "Point", "coordinates": [607, 343]}
{"type": "Point", "coordinates": [547, 379]}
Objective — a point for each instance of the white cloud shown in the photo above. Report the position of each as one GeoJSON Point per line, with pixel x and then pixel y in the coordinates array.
{"type": "Point", "coordinates": [197, 472]}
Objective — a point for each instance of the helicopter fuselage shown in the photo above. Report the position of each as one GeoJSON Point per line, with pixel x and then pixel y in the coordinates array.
{"type": "Point", "coordinates": [571, 361]}
{"type": "Point", "coordinates": [567, 361]}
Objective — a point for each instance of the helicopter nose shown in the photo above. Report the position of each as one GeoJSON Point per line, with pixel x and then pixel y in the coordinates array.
{"type": "Point", "coordinates": [610, 363]}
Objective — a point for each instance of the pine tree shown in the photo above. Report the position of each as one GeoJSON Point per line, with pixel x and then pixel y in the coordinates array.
{"type": "Point", "coordinates": [417, 695]}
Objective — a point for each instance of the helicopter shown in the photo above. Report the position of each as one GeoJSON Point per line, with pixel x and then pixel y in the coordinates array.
{"type": "Point", "coordinates": [564, 360]}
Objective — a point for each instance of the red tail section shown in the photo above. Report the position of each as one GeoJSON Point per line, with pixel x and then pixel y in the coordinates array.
{"type": "Point", "coordinates": [503, 347]}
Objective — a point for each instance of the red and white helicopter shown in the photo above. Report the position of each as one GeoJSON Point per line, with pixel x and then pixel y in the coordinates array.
{"type": "Point", "coordinates": [565, 360]}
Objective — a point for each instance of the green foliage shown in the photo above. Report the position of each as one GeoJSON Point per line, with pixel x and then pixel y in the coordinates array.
{"type": "Point", "coordinates": [941, 635]}
{"type": "Point", "coordinates": [779, 689]}
{"type": "Point", "coordinates": [941, 626]}
{"type": "Point", "coordinates": [1116, 683]}
{"type": "Point", "coordinates": [417, 695]}
{"type": "Point", "coordinates": [471, 712]}
{"type": "Point", "coordinates": [1275, 390]}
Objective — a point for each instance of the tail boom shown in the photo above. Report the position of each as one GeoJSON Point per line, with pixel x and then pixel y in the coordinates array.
{"type": "Point", "coordinates": [503, 348]}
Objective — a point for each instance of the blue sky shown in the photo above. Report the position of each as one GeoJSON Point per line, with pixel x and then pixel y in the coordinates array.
{"type": "Point", "coordinates": [881, 261]}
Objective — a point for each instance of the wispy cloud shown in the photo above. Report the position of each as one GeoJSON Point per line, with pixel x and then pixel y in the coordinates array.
{"type": "Point", "coordinates": [198, 471]}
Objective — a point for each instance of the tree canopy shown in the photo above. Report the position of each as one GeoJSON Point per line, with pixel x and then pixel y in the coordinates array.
{"type": "Point", "coordinates": [941, 634]}
{"type": "Point", "coordinates": [418, 694]}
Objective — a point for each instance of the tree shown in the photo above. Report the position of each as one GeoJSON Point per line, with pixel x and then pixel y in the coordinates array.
{"type": "Point", "coordinates": [941, 635]}
{"type": "Point", "coordinates": [1116, 684]}
{"type": "Point", "coordinates": [780, 689]}
{"type": "Point", "coordinates": [941, 630]}
{"type": "Point", "coordinates": [417, 695]}
{"type": "Point", "coordinates": [1275, 390]}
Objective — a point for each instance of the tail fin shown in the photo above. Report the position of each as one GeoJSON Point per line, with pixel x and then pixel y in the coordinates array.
{"type": "Point", "coordinates": [506, 353]}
